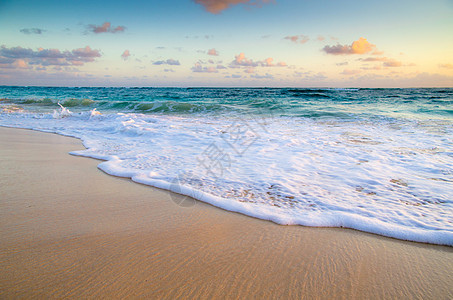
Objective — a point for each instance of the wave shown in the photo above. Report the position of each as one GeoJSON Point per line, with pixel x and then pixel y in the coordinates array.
{"type": "Point", "coordinates": [173, 107]}
{"type": "Point", "coordinates": [72, 102]}
{"type": "Point", "coordinates": [308, 93]}
{"type": "Point", "coordinates": [168, 106]}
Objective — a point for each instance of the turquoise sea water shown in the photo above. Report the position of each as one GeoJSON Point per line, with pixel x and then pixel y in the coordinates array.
{"type": "Point", "coordinates": [377, 160]}
{"type": "Point", "coordinates": [309, 103]}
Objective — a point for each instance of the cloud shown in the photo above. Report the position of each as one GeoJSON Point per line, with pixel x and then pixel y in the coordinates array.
{"type": "Point", "coordinates": [392, 63]}
{"type": "Point", "coordinates": [213, 52]}
{"type": "Point", "coordinates": [310, 76]}
{"type": "Point", "coordinates": [292, 38]}
{"type": "Point", "coordinates": [170, 61]}
{"type": "Point", "coordinates": [268, 62]}
{"type": "Point", "coordinates": [16, 52]}
{"type": "Point", "coordinates": [386, 62]}
{"type": "Point", "coordinates": [267, 76]}
{"type": "Point", "coordinates": [173, 62]}
{"type": "Point", "coordinates": [373, 59]}
{"type": "Point", "coordinates": [62, 76]}
{"type": "Point", "coordinates": [297, 38]}
{"type": "Point", "coordinates": [350, 72]}
{"type": "Point", "coordinates": [18, 57]}
{"type": "Point", "coordinates": [125, 54]}
{"type": "Point", "coordinates": [15, 64]}
{"type": "Point", "coordinates": [105, 28]}
{"type": "Point", "coordinates": [217, 6]}
{"type": "Point", "coordinates": [361, 46]}
{"type": "Point", "coordinates": [377, 52]}
{"type": "Point", "coordinates": [198, 68]}
{"type": "Point", "coordinates": [6, 60]}
{"type": "Point", "coordinates": [446, 66]}
{"type": "Point", "coordinates": [86, 53]}
{"type": "Point", "coordinates": [234, 76]}
{"type": "Point", "coordinates": [32, 31]}
{"type": "Point", "coordinates": [242, 61]}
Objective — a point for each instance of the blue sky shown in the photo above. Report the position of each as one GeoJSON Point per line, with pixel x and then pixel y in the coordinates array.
{"type": "Point", "coordinates": [302, 43]}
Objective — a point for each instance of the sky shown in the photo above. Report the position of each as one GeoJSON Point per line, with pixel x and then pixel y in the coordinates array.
{"type": "Point", "coordinates": [226, 43]}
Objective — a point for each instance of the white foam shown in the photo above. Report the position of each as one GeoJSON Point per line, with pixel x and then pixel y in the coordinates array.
{"type": "Point", "coordinates": [94, 113]}
{"type": "Point", "coordinates": [392, 179]}
{"type": "Point", "coordinates": [64, 112]}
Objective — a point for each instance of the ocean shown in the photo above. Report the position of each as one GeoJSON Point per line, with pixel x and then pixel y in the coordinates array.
{"type": "Point", "coordinates": [375, 160]}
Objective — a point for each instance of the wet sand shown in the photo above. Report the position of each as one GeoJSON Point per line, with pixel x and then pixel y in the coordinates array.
{"type": "Point", "coordinates": [69, 230]}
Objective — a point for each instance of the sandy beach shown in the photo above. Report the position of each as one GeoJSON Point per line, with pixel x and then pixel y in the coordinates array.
{"type": "Point", "coordinates": [67, 230]}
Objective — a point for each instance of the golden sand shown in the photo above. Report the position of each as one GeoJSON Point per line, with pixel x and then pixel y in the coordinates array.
{"type": "Point", "coordinates": [69, 230]}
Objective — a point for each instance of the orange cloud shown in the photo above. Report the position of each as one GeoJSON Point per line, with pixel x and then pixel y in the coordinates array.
{"type": "Point", "coordinates": [292, 38]}
{"type": "Point", "coordinates": [213, 52]}
{"type": "Point", "coordinates": [19, 64]}
{"type": "Point", "coordinates": [361, 46]}
{"type": "Point", "coordinates": [217, 6]}
{"type": "Point", "coordinates": [241, 61]}
{"type": "Point", "coordinates": [392, 63]}
{"type": "Point", "coordinates": [387, 62]}
{"type": "Point", "coordinates": [268, 62]}
{"type": "Point", "coordinates": [297, 38]}
{"type": "Point", "coordinates": [125, 54]}
{"type": "Point", "coordinates": [106, 27]}
{"type": "Point", "coordinates": [198, 68]}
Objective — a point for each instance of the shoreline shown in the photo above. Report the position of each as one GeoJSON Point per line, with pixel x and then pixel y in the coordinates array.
{"type": "Point", "coordinates": [87, 234]}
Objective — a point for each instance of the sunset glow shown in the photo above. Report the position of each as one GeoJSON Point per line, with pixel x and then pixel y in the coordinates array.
{"type": "Point", "coordinates": [227, 43]}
